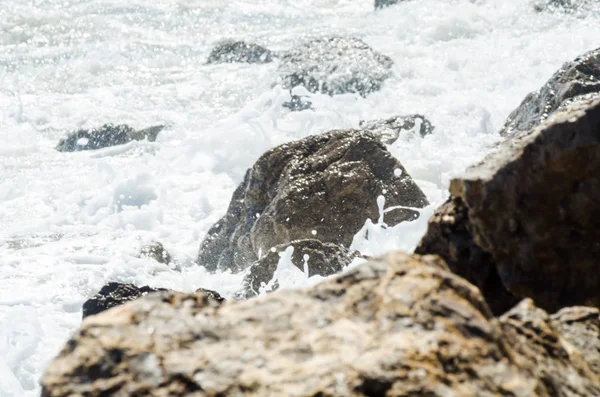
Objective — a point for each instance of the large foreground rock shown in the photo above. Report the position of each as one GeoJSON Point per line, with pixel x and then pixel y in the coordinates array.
{"type": "Point", "coordinates": [321, 259]}
{"type": "Point", "coordinates": [574, 81]}
{"type": "Point", "coordinates": [105, 136]}
{"type": "Point", "coordinates": [236, 51]}
{"type": "Point", "coordinates": [397, 326]}
{"type": "Point", "coordinates": [334, 65]}
{"type": "Point", "coordinates": [532, 210]}
{"type": "Point", "coordinates": [323, 187]}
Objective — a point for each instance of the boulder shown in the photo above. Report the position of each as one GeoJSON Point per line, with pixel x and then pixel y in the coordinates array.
{"type": "Point", "coordinates": [236, 51]}
{"type": "Point", "coordinates": [157, 252]}
{"type": "Point", "coordinates": [574, 81]}
{"type": "Point", "coordinates": [580, 326]}
{"type": "Point", "coordinates": [399, 325]}
{"type": "Point", "coordinates": [334, 65]}
{"type": "Point", "coordinates": [322, 259]}
{"type": "Point", "coordinates": [105, 136]}
{"type": "Point", "coordinates": [385, 3]}
{"type": "Point", "coordinates": [390, 129]}
{"type": "Point", "coordinates": [115, 294]}
{"type": "Point", "coordinates": [323, 187]}
{"type": "Point", "coordinates": [532, 209]}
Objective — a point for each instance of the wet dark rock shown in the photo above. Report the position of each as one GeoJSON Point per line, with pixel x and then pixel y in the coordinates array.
{"type": "Point", "coordinates": [323, 187]}
{"type": "Point", "coordinates": [236, 51]}
{"type": "Point", "coordinates": [115, 294]}
{"type": "Point", "coordinates": [567, 6]}
{"type": "Point", "coordinates": [396, 326]}
{"type": "Point", "coordinates": [324, 259]}
{"type": "Point", "coordinates": [573, 82]}
{"type": "Point", "coordinates": [390, 129]}
{"type": "Point", "coordinates": [105, 136]}
{"type": "Point", "coordinates": [385, 3]}
{"type": "Point", "coordinates": [533, 208]}
{"type": "Point", "coordinates": [157, 252]}
{"type": "Point", "coordinates": [334, 65]}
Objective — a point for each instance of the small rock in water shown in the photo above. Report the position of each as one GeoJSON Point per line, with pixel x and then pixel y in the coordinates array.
{"type": "Point", "coordinates": [324, 259]}
{"type": "Point", "coordinates": [157, 252]}
{"type": "Point", "coordinates": [105, 136]}
{"type": "Point", "coordinates": [326, 183]}
{"type": "Point", "coordinates": [385, 3]}
{"type": "Point", "coordinates": [334, 65]}
{"type": "Point", "coordinates": [567, 6]}
{"type": "Point", "coordinates": [234, 51]}
{"type": "Point", "coordinates": [573, 82]}
{"type": "Point", "coordinates": [389, 129]}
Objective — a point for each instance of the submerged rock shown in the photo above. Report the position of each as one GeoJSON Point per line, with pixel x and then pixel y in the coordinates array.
{"type": "Point", "coordinates": [531, 210]}
{"type": "Point", "coordinates": [322, 259]}
{"type": "Point", "coordinates": [322, 187]}
{"type": "Point", "coordinates": [561, 5]}
{"type": "Point", "coordinates": [105, 136]}
{"type": "Point", "coordinates": [385, 3]}
{"type": "Point", "coordinates": [334, 65]}
{"type": "Point", "coordinates": [575, 81]}
{"type": "Point", "coordinates": [115, 294]}
{"type": "Point", "coordinates": [399, 325]}
{"type": "Point", "coordinates": [236, 51]}
{"type": "Point", "coordinates": [157, 252]}
{"type": "Point", "coordinates": [389, 129]}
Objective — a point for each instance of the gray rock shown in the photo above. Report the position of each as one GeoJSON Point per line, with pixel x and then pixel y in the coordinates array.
{"type": "Point", "coordinates": [533, 207]}
{"type": "Point", "coordinates": [157, 252]}
{"type": "Point", "coordinates": [567, 6]}
{"type": "Point", "coordinates": [237, 51]}
{"type": "Point", "coordinates": [105, 136]}
{"type": "Point", "coordinates": [323, 186]}
{"type": "Point", "coordinates": [324, 259]}
{"type": "Point", "coordinates": [397, 326]}
{"type": "Point", "coordinates": [385, 3]}
{"type": "Point", "coordinates": [334, 65]}
{"type": "Point", "coordinates": [390, 129]}
{"type": "Point", "coordinates": [573, 82]}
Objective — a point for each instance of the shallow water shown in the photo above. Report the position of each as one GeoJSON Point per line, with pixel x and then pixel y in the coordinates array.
{"type": "Point", "coordinates": [69, 222]}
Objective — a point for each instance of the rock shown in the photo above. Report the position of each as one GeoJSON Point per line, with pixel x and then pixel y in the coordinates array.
{"type": "Point", "coordinates": [105, 136]}
{"type": "Point", "coordinates": [390, 129]}
{"type": "Point", "coordinates": [385, 3]}
{"type": "Point", "coordinates": [533, 206]}
{"type": "Point", "coordinates": [574, 81]}
{"type": "Point", "coordinates": [157, 252]}
{"type": "Point", "coordinates": [115, 294]}
{"type": "Point", "coordinates": [567, 6]}
{"type": "Point", "coordinates": [323, 186]}
{"type": "Point", "coordinates": [334, 65]}
{"type": "Point", "coordinates": [448, 235]}
{"type": "Point", "coordinates": [232, 51]}
{"type": "Point", "coordinates": [324, 259]}
{"type": "Point", "coordinates": [580, 325]}
{"type": "Point", "coordinates": [397, 326]}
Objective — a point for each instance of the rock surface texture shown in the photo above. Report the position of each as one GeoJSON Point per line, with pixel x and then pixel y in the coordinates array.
{"type": "Point", "coordinates": [157, 252]}
{"type": "Point", "coordinates": [397, 326]}
{"type": "Point", "coordinates": [532, 208]}
{"type": "Point", "coordinates": [321, 187]}
{"type": "Point", "coordinates": [105, 136]}
{"type": "Point", "coordinates": [323, 259]}
{"type": "Point", "coordinates": [334, 65]}
{"type": "Point", "coordinates": [390, 129]}
{"type": "Point", "coordinates": [235, 51]}
{"type": "Point", "coordinates": [574, 81]}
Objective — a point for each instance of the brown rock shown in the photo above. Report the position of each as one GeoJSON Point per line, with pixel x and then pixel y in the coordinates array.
{"type": "Point", "coordinates": [398, 326]}
{"type": "Point", "coordinates": [321, 187]}
{"type": "Point", "coordinates": [324, 259]}
{"type": "Point", "coordinates": [534, 207]}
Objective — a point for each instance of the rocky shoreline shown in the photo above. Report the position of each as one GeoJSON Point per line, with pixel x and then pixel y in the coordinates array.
{"type": "Point", "coordinates": [501, 296]}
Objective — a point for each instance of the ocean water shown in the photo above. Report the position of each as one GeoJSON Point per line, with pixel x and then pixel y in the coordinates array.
{"type": "Point", "coordinates": [69, 222]}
